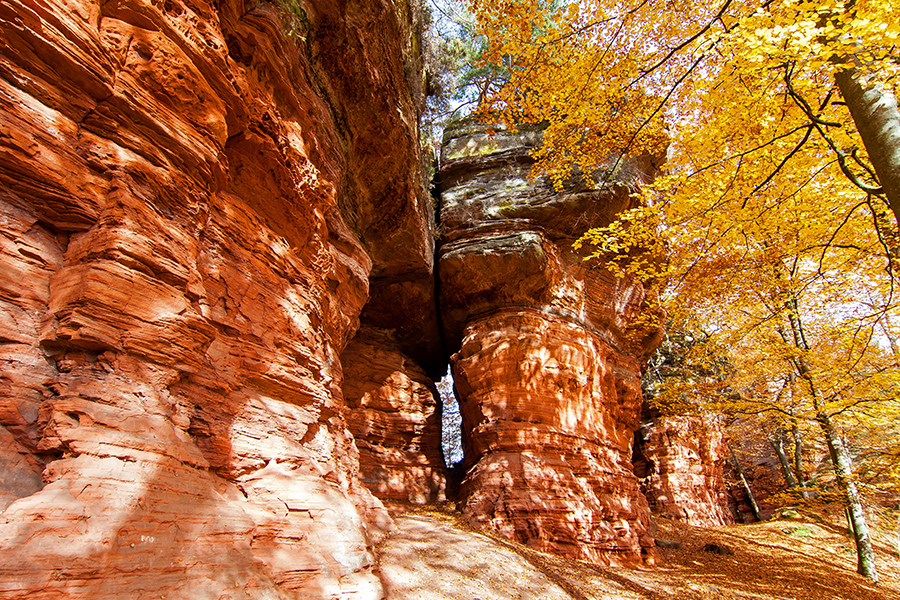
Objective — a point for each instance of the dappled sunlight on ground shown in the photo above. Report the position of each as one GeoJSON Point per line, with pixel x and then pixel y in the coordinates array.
{"type": "Point", "coordinates": [434, 556]}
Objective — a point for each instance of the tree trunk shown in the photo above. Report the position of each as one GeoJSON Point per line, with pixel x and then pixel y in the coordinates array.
{"type": "Point", "coordinates": [843, 466]}
{"type": "Point", "coordinates": [798, 458]}
{"type": "Point", "coordinates": [777, 442]}
{"type": "Point", "coordinates": [840, 457]}
{"type": "Point", "coordinates": [874, 111]}
{"type": "Point", "coordinates": [740, 472]}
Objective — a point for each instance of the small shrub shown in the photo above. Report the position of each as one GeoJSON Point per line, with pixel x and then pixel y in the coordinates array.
{"type": "Point", "coordinates": [800, 530]}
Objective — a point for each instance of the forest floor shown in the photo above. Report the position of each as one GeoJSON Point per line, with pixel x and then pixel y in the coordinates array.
{"type": "Point", "coordinates": [434, 556]}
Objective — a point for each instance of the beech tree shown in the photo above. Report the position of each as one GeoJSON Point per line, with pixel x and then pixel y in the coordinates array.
{"type": "Point", "coordinates": [603, 73]}
{"type": "Point", "coordinates": [842, 373]}
{"type": "Point", "coordinates": [778, 209]}
{"type": "Point", "coordinates": [801, 347]}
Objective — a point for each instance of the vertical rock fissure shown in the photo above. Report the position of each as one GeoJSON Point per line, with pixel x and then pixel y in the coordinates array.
{"type": "Point", "coordinates": [452, 435]}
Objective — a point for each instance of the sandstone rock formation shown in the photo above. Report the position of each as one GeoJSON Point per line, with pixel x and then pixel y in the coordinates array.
{"type": "Point", "coordinates": [395, 418]}
{"type": "Point", "coordinates": [547, 351]}
{"type": "Point", "coordinates": [198, 212]}
{"type": "Point", "coordinates": [218, 314]}
{"type": "Point", "coordinates": [681, 462]}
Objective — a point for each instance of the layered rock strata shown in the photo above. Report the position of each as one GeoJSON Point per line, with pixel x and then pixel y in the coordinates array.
{"type": "Point", "coordinates": [547, 351]}
{"type": "Point", "coordinates": [192, 205]}
{"type": "Point", "coordinates": [681, 463]}
{"type": "Point", "coordinates": [394, 415]}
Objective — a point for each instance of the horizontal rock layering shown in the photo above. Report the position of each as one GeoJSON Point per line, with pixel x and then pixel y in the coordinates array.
{"type": "Point", "coordinates": [549, 412]}
{"type": "Point", "coordinates": [548, 367]}
{"type": "Point", "coordinates": [218, 315]}
{"type": "Point", "coordinates": [394, 416]}
{"type": "Point", "coordinates": [681, 462]}
{"type": "Point", "coordinates": [192, 204]}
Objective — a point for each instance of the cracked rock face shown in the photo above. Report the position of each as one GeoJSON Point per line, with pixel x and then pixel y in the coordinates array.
{"type": "Point", "coordinates": [547, 351]}
{"type": "Point", "coordinates": [218, 316]}
{"type": "Point", "coordinates": [394, 416]}
{"type": "Point", "coordinates": [191, 206]}
{"type": "Point", "coordinates": [680, 460]}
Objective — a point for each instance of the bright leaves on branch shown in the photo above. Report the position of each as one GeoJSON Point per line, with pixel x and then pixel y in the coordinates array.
{"type": "Point", "coordinates": [769, 204]}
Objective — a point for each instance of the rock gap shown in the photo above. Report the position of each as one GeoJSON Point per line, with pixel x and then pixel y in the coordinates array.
{"type": "Point", "coordinates": [248, 326]}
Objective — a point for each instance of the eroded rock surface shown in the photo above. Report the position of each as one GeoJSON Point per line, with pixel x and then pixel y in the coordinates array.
{"type": "Point", "coordinates": [681, 463]}
{"type": "Point", "coordinates": [395, 417]}
{"type": "Point", "coordinates": [547, 365]}
{"type": "Point", "coordinates": [192, 206]}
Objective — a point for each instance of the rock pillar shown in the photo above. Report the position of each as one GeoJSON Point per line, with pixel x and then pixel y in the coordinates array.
{"type": "Point", "coordinates": [547, 351]}
{"type": "Point", "coordinates": [681, 460]}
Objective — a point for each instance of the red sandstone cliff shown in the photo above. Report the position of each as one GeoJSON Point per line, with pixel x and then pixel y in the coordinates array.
{"type": "Point", "coordinates": [547, 360]}
{"type": "Point", "coordinates": [395, 419]}
{"type": "Point", "coordinates": [218, 326]}
{"type": "Point", "coordinates": [681, 461]}
{"type": "Point", "coordinates": [196, 213]}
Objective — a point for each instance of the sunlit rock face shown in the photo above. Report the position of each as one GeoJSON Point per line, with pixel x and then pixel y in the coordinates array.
{"type": "Point", "coordinates": [680, 461]}
{"type": "Point", "coordinates": [192, 205]}
{"type": "Point", "coordinates": [547, 351]}
{"type": "Point", "coordinates": [395, 418]}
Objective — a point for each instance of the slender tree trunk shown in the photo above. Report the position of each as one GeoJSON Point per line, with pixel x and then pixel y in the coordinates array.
{"type": "Point", "coordinates": [874, 111]}
{"type": "Point", "coordinates": [843, 464]}
{"type": "Point", "coordinates": [777, 442]}
{"type": "Point", "coordinates": [843, 470]}
{"type": "Point", "coordinates": [850, 526]}
{"type": "Point", "coordinates": [798, 458]}
{"type": "Point", "coordinates": [740, 472]}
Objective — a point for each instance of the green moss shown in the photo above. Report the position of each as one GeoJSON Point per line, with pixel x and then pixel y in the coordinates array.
{"type": "Point", "coordinates": [482, 148]}
{"type": "Point", "coordinates": [297, 25]}
{"type": "Point", "coordinates": [800, 530]}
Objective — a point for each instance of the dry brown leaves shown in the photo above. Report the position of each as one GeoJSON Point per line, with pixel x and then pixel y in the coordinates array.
{"type": "Point", "coordinates": [807, 557]}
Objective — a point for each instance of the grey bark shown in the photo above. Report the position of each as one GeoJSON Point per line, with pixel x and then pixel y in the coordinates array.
{"type": "Point", "coordinates": [865, 564]}
{"type": "Point", "coordinates": [798, 458]}
{"type": "Point", "coordinates": [877, 118]}
{"type": "Point", "coordinates": [840, 457]}
{"type": "Point", "coordinates": [777, 442]}
{"type": "Point", "coordinates": [740, 472]}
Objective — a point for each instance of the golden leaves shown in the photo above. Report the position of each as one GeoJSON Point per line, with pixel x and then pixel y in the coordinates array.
{"type": "Point", "coordinates": [633, 245]}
